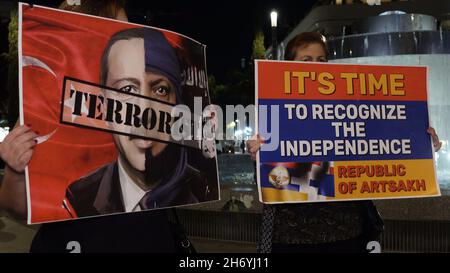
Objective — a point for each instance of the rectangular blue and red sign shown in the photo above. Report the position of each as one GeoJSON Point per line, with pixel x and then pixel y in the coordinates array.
{"type": "Point", "coordinates": [343, 132]}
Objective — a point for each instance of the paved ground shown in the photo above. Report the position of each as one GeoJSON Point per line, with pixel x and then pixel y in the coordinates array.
{"type": "Point", "coordinates": [16, 237]}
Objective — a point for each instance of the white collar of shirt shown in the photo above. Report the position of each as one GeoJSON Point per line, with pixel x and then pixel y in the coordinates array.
{"type": "Point", "coordinates": [131, 193]}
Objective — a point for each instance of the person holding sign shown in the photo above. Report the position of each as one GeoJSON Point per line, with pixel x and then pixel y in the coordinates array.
{"type": "Point", "coordinates": [148, 231]}
{"type": "Point", "coordinates": [315, 227]}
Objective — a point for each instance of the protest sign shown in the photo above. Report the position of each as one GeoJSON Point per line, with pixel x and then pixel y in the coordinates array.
{"type": "Point", "coordinates": [100, 94]}
{"type": "Point", "coordinates": [343, 132]}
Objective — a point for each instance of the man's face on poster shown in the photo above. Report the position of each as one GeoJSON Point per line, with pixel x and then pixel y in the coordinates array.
{"type": "Point", "coordinates": [126, 72]}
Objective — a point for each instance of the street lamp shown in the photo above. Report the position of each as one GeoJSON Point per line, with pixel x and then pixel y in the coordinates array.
{"type": "Point", "coordinates": [273, 21]}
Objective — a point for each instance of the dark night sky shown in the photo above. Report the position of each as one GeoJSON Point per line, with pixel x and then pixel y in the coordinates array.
{"type": "Point", "coordinates": [226, 27]}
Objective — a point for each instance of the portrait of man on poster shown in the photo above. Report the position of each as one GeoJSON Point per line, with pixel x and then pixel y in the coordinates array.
{"type": "Point", "coordinates": [147, 174]}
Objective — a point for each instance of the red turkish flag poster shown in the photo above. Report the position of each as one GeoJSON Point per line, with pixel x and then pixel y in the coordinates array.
{"type": "Point", "coordinates": [99, 93]}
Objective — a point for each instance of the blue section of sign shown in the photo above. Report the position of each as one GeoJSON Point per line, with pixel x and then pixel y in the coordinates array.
{"type": "Point", "coordinates": [325, 185]}
{"type": "Point", "coordinates": [412, 128]}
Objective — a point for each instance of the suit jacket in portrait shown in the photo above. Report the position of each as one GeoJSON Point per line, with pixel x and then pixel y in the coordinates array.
{"type": "Point", "coordinates": [100, 192]}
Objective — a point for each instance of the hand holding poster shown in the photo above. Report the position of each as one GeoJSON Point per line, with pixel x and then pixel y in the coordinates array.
{"type": "Point", "coordinates": [100, 93]}
{"type": "Point", "coordinates": [343, 132]}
